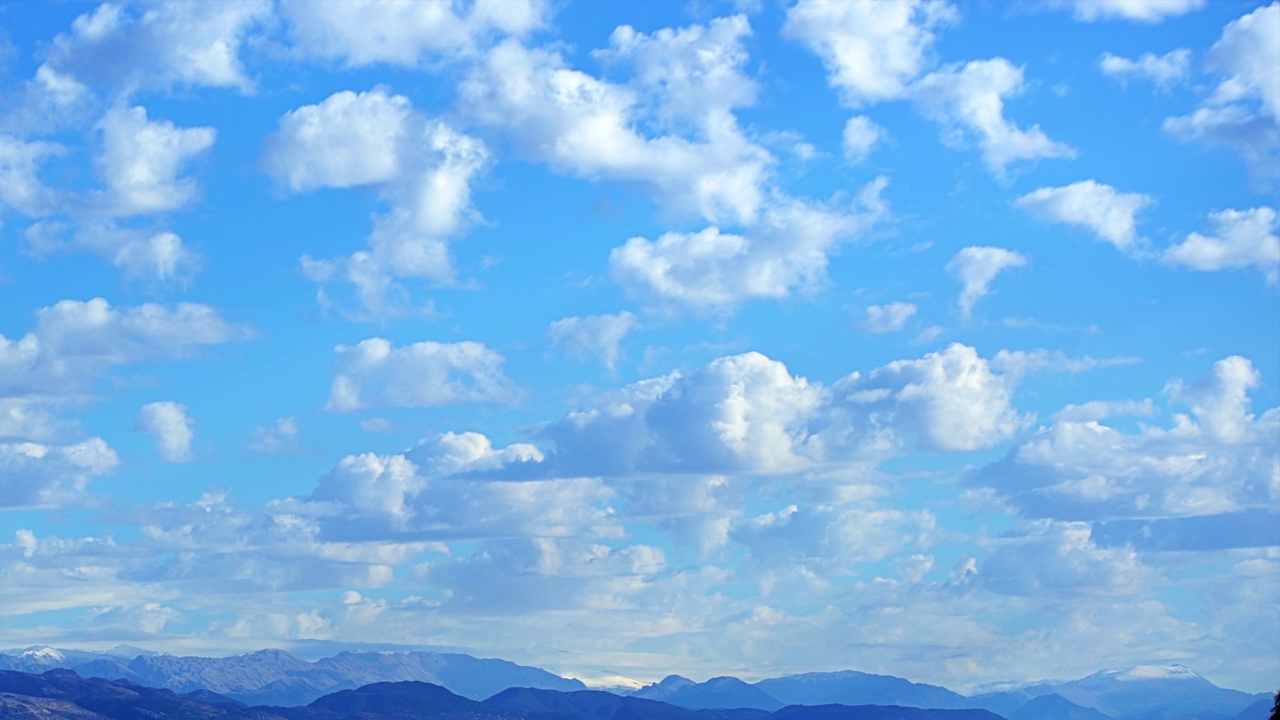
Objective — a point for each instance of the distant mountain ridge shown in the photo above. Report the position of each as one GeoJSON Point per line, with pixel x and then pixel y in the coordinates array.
{"type": "Point", "coordinates": [278, 678]}
{"type": "Point", "coordinates": [64, 695]}
{"type": "Point", "coordinates": [275, 677]}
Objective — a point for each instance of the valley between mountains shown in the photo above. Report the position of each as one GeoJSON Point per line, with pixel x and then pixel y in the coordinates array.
{"type": "Point", "coordinates": [130, 684]}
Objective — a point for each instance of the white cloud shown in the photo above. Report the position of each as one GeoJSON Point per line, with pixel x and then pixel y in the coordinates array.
{"type": "Point", "coordinates": [1060, 559]}
{"type": "Point", "coordinates": [139, 253]}
{"type": "Point", "coordinates": [1145, 11]}
{"type": "Point", "coordinates": [410, 34]}
{"type": "Point", "coordinates": [1248, 55]}
{"type": "Point", "coordinates": [24, 419]}
{"type": "Point", "coordinates": [872, 50]}
{"type": "Point", "coordinates": [1163, 70]}
{"type": "Point", "coordinates": [1096, 410]}
{"type": "Point", "coordinates": [823, 540]}
{"type": "Point", "coordinates": [346, 140]}
{"type": "Point", "coordinates": [1220, 400]}
{"type": "Point", "coordinates": [169, 423]}
{"type": "Point", "coordinates": [690, 74]}
{"type": "Point", "coordinates": [37, 475]}
{"type": "Point", "coordinates": [1243, 113]}
{"type": "Point", "coordinates": [744, 412]}
{"type": "Point", "coordinates": [971, 98]}
{"type": "Point", "coordinates": [20, 185]}
{"type": "Point", "coordinates": [372, 373]}
{"type": "Point", "coordinates": [944, 401]}
{"type": "Point", "coordinates": [860, 136]}
{"type": "Point", "coordinates": [75, 342]}
{"type": "Point", "coordinates": [747, 414]}
{"type": "Point", "coordinates": [785, 252]}
{"type": "Point", "coordinates": [1109, 213]}
{"type": "Point", "coordinates": [422, 167]}
{"type": "Point", "coordinates": [1218, 461]}
{"type": "Point", "coordinates": [211, 548]}
{"type": "Point", "coordinates": [589, 127]}
{"type": "Point", "coordinates": [163, 45]}
{"type": "Point", "coordinates": [468, 452]}
{"type": "Point", "coordinates": [1021, 362]}
{"type": "Point", "coordinates": [1241, 238]}
{"type": "Point", "coordinates": [598, 335]}
{"type": "Point", "coordinates": [889, 317]}
{"type": "Point", "coordinates": [977, 267]}
{"type": "Point", "coordinates": [281, 437]}
{"type": "Point", "coordinates": [141, 159]}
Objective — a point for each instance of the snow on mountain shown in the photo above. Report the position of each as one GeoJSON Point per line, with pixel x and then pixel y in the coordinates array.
{"type": "Point", "coordinates": [617, 684]}
{"type": "Point", "coordinates": [1154, 672]}
{"type": "Point", "coordinates": [1130, 691]}
{"type": "Point", "coordinates": [44, 654]}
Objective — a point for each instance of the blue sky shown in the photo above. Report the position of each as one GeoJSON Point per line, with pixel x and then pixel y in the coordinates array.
{"type": "Point", "coordinates": [936, 339]}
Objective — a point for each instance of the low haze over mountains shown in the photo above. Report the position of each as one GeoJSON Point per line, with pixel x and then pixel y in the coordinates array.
{"type": "Point", "coordinates": [35, 683]}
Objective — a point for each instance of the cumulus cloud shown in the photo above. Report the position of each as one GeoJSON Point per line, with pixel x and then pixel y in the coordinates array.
{"type": "Point", "coordinates": [860, 136]}
{"type": "Point", "coordinates": [889, 317]}
{"type": "Point", "coordinates": [744, 412]}
{"type": "Point", "coordinates": [593, 335]}
{"type": "Point", "coordinates": [1243, 112]}
{"type": "Point", "coordinates": [366, 32]}
{"type": "Point", "coordinates": [703, 165]}
{"type": "Point", "coordinates": [786, 252]}
{"type": "Point", "coordinates": [872, 50]}
{"type": "Point", "coordinates": [1220, 459]}
{"type": "Point", "coordinates": [1240, 239]}
{"type": "Point", "coordinates": [977, 267]}
{"type": "Point", "coordinates": [160, 46]}
{"type": "Point", "coordinates": [1246, 55]}
{"type": "Point", "coordinates": [169, 423]}
{"type": "Point", "coordinates": [141, 162]}
{"type": "Point", "coordinates": [1163, 70]}
{"type": "Point", "coordinates": [347, 140]}
{"type": "Point", "coordinates": [969, 99]}
{"type": "Point", "coordinates": [141, 158]}
{"type": "Point", "coordinates": [687, 74]}
{"type": "Point", "coordinates": [20, 184]}
{"type": "Point", "coordinates": [372, 373]}
{"type": "Point", "coordinates": [76, 342]}
{"type": "Point", "coordinates": [1109, 213]}
{"type": "Point", "coordinates": [1144, 11]}
{"type": "Point", "coordinates": [748, 414]}
{"type": "Point", "coordinates": [945, 401]}
{"type": "Point", "coordinates": [422, 167]}
{"type": "Point", "coordinates": [36, 475]}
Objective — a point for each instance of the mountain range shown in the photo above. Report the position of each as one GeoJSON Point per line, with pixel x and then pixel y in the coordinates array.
{"type": "Point", "coordinates": [275, 678]}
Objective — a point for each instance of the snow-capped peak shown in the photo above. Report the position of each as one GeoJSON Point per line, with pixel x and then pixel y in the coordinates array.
{"type": "Point", "coordinates": [1153, 672]}
{"type": "Point", "coordinates": [44, 653]}
{"type": "Point", "coordinates": [606, 682]}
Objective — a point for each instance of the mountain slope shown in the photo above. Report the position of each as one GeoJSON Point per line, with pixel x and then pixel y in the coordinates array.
{"type": "Point", "coordinates": [596, 705]}
{"type": "Point", "coordinates": [1130, 691]}
{"type": "Point", "coordinates": [120, 700]}
{"type": "Point", "coordinates": [1054, 707]}
{"type": "Point", "coordinates": [857, 688]}
{"type": "Point", "coordinates": [470, 677]}
{"type": "Point", "coordinates": [664, 689]}
{"type": "Point", "coordinates": [723, 692]}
